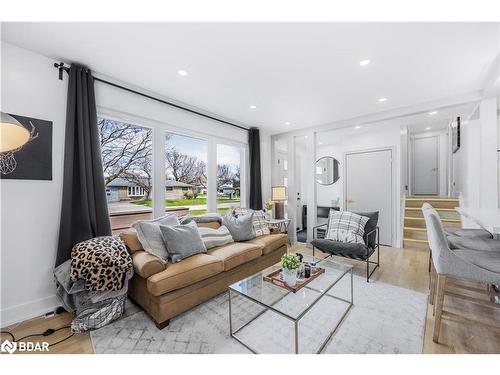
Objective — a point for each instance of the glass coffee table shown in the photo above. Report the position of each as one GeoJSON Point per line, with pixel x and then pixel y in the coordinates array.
{"type": "Point", "coordinates": [254, 305]}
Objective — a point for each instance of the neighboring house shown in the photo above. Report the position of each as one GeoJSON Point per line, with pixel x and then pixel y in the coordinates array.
{"type": "Point", "coordinates": [227, 189]}
{"type": "Point", "coordinates": [177, 189]}
{"type": "Point", "coordinates": [122, 190]}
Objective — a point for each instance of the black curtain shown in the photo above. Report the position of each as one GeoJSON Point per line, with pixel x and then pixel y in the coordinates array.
{"type": "Point", "coordinates": [84, 212]}
{"type": "Point", "coordinates": [255, 179]}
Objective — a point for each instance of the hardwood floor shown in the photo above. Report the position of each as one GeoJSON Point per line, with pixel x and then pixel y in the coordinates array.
{"type": "Point", "coordinates": [406, 268]}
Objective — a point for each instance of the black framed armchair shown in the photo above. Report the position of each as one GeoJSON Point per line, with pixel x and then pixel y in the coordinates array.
{"type": "Point", "coordinates": [362, 252]}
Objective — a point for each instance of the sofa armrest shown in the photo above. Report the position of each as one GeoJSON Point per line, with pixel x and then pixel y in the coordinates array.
{"type": "Point", "coordinates": [274, 230]}
{"type": "Point", "coordinates": [146, 265]}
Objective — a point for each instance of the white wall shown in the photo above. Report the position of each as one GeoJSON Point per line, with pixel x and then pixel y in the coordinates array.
{"type": "Point", "coordinates": [475, 164]}
{"type": "Point", "coordinates": [466, 163]}
{"type": "Point", "coordinates": [373, 136]}
{"type": "Point", "coordinates": [30, 210]}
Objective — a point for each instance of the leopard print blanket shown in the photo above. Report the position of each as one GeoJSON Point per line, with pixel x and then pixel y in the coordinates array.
{"type": "Point", "coordinates": [103, 262]}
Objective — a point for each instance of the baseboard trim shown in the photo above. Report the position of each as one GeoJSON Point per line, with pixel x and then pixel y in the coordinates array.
{"type": "Point", "coordinates": [28, 310]}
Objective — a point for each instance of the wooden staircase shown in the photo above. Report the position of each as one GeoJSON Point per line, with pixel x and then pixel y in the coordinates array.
{"type": "Point", "coordinates": [414, 231]}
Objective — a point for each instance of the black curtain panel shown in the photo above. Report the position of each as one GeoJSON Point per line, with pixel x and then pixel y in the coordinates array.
{"type": "Point", "coordinates": [255, 178]}
{"type": "Point", "coordinates": [84, 212]}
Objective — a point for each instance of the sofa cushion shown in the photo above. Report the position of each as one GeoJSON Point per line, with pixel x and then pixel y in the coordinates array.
{"type": "Point", "coordinates": [270, 242]}
{"type": "Point", "coordinates": [148, 232]}
{"type": "Point", "coordinates": [181, 274]}
{"type": "Point", "coordinates": [145, 264]}
{"type": "Point", "coordinates": [182, 241]}
{"type": "Point", "coordinates": [210, 224]}
{"type": "Point", "coordinates": [259, 221]}
{"type": "Point", "coordinates": [130, 239]}
{"type": "Point", "coordinates": [240, 227]}
{"type": "Point", "coordinates": [236, 253]}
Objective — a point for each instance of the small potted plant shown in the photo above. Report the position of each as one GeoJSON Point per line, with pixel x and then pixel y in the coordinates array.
{"type": "Point", "coordinates": [290, 264]}
{"type": "Point", "coordinates": [269, 209]}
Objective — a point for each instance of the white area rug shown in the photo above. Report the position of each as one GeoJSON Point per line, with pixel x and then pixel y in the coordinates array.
{"type": "Point", "coordinates": [384, 319]}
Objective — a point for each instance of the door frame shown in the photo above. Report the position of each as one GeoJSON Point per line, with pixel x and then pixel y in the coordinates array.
{"type": "Point", "coordinates": [412, 163]}
{"type": "Point", "coordinates": [394, 211]}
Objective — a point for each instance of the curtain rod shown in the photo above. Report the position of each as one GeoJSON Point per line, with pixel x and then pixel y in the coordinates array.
{"type": "Point", "coordinates": [62, 68]}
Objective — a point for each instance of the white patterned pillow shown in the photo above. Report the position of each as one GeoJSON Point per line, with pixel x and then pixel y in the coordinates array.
{"type": "Point", "coordinates": [345, 226]}
{"type": "Point", "coordinates": [259, 221]}
{"type": "Point", "coordinates": [215, 237]}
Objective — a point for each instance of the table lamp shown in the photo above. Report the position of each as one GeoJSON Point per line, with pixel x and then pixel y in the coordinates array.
{"type": "Point", "coordinates": [279, 197]}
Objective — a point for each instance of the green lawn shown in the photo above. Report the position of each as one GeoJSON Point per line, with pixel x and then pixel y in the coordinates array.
{"type": "Point", "coordinates": [186, 202]}
{"type": "Point", "coordinates": [221, 211]}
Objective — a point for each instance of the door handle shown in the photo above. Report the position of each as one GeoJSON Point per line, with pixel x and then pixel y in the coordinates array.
{"type": "Point", "coordinates": [350, 200]}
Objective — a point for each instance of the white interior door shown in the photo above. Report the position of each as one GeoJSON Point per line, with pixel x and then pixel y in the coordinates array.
{"type": "Point", "coordinates": [425, 166]}
{"type": "Point", "coordinates": [369, 186]}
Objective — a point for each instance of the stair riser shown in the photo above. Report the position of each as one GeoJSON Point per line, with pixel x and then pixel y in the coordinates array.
{"type": "Point", "coordinates": [442, 214]}
{"type": "Point", "coordinates": [436, 204]}
{"type": "Point", "coordinates": [415, 234]}
{"type": "Point", "coordinates": [415, 245]}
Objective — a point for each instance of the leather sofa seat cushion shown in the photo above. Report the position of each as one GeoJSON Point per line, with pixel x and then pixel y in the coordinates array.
{"type": "Point", "coordinates": [186, 272]}
{"type": "Point", "coordinates": [130, 239]}
{"type": "Point", "coordinates": [236, 253]}
{"type": "Point", "coordinates": [270, 242]}
{"type": "Point", "coordinates": [145, 264]}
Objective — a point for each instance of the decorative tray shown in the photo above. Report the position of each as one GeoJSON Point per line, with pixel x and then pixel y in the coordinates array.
{"type": "Point", "coordinates": [275, 278]}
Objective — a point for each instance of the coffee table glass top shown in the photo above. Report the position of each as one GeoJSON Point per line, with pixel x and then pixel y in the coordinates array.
{"type": "Point", "coordinates": [295, 305]}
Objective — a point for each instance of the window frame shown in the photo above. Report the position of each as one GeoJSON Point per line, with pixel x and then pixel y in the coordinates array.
{"type": "Point", "coordinates": [159, 128]}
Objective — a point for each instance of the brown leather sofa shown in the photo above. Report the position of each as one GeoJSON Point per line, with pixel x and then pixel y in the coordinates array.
{"type": "Point", "coordinates": [166, 290]}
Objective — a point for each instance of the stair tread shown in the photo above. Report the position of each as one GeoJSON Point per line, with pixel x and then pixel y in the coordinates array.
{"type": "Point", "coordinates": [414, 240]}
{"type": "Point", "coordinates": [445, 220]}
{"type": "Point", "coordinates": [416, 228]}
{"type": "Point", "coordinates": [431, 199]}
{"type": "Point", "coordinates": [437, 209]}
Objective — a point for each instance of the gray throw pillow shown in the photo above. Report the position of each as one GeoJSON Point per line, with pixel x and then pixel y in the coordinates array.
{"type": "Point", "coordinates": [149, 235]}
{"type": "Point", "coordinates": [215, 237]}
{"type": "Point", "coordinates": [240, 227]}
{"type": "Point", "coordinates": [182, 241]}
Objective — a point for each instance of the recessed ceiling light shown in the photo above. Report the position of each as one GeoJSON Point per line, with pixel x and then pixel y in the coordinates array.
{"type": "Point", "coordinates": [253, 106]}
{"type": "Point", "coordinates": [428, 128]}
{"type": "Point", "coordinates": [288, 123]}
{"type": "Point", "coordinates": [432, 113]}
{"type": "Point", "coordinates": [358, 127]}
{"type": "Point", "coordinates": [182, 73]}
{"type": "Point", "coordinates": [364, 62]}
{"type": "Point", "coordinates": [382, 100]}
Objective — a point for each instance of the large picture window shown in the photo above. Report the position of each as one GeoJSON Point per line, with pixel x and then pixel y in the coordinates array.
{"type": "Point", "coordinates": [127, 158]}
{"type": "Point", "coordinates": [228, 177]}
{"type": "Point", "coordinates": [186, 173]}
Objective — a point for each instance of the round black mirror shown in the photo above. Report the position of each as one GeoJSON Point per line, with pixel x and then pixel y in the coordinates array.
{"type": "Point", "coordinates": [327, 170]}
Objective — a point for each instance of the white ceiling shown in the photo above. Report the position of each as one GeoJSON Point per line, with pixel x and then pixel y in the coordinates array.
{"type": "Point", "coordinates": [307, 74]}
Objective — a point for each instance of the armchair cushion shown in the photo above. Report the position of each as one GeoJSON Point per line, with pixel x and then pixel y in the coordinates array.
{"type": "Point", "coordinates": [370, 226]}
{"type": "Point", "coordinates": [346, 227]}
{"type": "Point", "coordinates": [350, 250]}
